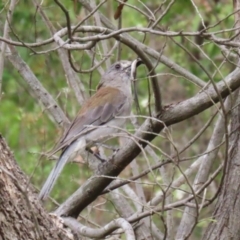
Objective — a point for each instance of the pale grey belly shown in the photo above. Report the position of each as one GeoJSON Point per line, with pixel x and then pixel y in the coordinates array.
{"type": "Point", "coordinates": [100, 133]}
{"type": "Point", "coordinates": [104, 131]}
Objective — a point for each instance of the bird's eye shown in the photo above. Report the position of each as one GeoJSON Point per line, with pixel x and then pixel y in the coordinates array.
{"type": "Point", "coordinates": [118, 66]}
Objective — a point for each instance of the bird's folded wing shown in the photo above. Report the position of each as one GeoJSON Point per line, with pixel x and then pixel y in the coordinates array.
{"type": "Point", "coordinates": [103, 106]}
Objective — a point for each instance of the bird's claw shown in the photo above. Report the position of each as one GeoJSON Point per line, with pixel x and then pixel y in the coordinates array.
{"type": "Point", "coordinates": [96, 155]}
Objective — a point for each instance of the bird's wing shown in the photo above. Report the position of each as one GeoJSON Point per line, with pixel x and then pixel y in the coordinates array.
{"type": "Point", "coordinates": [103, 106]}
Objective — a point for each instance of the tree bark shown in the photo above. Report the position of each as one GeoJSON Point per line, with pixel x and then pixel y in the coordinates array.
{"type": "Point", "coordinates": [227, 212]}
{"type": "Point", "coordinates": [21, 214]}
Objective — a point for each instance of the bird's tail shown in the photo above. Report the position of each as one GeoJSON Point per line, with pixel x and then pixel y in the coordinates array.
{"type": "Point", "coordinates": [69, 152]}
{"type": "Point", "coordinates": [48, 185]}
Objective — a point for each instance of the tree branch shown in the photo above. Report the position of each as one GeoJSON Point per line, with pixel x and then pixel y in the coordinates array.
{"type": "Point", "coordinates": [38, 91]}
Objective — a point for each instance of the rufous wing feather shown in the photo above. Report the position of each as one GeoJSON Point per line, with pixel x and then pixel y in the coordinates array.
{"type": "Point", "coordinates": [103, 106]}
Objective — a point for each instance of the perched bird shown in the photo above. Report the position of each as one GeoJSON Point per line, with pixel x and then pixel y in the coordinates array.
{"type": "Point", "coordinates": [99, 117]}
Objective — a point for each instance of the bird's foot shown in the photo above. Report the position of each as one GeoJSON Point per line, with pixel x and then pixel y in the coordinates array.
{"type": "Point", "coordinates": [115, 152]}
{"type": "Point", "coordinates": [96, 154]}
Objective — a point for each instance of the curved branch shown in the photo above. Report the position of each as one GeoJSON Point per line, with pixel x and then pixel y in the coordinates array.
{"type": "Point", "coordinates": [101, 232]}
{"type": "Point", "coordinates": [151, 52]}
{"type": "Point", "coordinates": [130, 44]}
{"type": "Point", "coordinates": [71, 76]}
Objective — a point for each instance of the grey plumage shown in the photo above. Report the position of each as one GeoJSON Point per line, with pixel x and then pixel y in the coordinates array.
{"type": "Point", "coordinates": [112, 100]}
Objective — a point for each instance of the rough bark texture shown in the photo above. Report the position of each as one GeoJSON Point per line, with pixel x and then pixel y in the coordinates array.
{"type": "Point", "coordinates": [21, 215]}
{"type": "Point", "coordinates": [227, 211]}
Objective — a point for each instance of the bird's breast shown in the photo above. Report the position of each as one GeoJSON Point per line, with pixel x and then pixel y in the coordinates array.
{"type": "Point", "coordinates": [107, 130]}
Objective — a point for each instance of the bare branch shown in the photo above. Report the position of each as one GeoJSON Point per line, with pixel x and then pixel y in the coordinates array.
{"type": "Point", "coordinates": [38, 91]}
{"type": "Point", "coordinates": [5, 35]}
{"type": "Point", "coordinates": [183, 202]}
{"type": "Point", "coordinates": [207, 160]}
{"type": "Point", "coordinates": [102, 232]}
{"type": "Point", "coordinates": [71, 76]}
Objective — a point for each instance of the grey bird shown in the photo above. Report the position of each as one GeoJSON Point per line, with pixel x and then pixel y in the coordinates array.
{"type": "Point", "coordinates": [102, 115]}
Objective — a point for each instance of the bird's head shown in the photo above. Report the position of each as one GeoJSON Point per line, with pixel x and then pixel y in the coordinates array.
{"type": "Point", "coordinates": [119, 74]}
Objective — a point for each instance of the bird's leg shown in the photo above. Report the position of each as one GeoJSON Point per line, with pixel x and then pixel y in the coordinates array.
{"type": "Point", "coordinates": [115, 149]}
{"type": "Point", "coordinates": [115, 152]}
{"type": "Point", "coordinates": [95, 155]}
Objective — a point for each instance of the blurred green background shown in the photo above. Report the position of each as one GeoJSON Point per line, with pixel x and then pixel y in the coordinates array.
{"type": "Point", "coordinates": [29, 130]}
